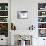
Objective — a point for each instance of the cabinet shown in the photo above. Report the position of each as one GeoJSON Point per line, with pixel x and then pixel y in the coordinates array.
{"type": "Point", "coordinates": [4, 19]}
{"type": "Point", "coordinates": [5, 13]}
{"type": "Point", "coordinates": [42, 41]}
{"type": "Point", "coordinates": [3, 40]}
{"type": "Point", "coordinates": [42, 19]}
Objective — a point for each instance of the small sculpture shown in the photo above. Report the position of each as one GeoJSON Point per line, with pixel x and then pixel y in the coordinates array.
{"type": "Point", "coordinates": [13, 27]}
{"type": "Point", "coordinates": [31, 27]}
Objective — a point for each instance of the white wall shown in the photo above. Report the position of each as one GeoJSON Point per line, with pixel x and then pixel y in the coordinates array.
{"type": "Point", "coordinates": [29, 5]}
{"type": "Point", "coordinates": [20, 5]}
{"type": "Point", "coordinates": [23, 24]}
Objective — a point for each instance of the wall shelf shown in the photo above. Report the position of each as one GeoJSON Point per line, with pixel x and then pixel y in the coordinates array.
{"type": "Point", "coordinates": [42, 16]}
{"type": "Point", "coordinates": [3, 22]}
{"type": "Point", "coordinates": [41, 22]}
{"type": "Point", "coordinates": [3, 16]}
{"type": "Point", "coordinates": [3, 10]}
{"type": "Point", "coordinates": [41, 10]}
{"type": "Point", "coordinates": [41, 28]}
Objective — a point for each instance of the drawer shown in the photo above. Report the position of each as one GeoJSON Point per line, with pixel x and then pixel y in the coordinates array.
{"type": "Point", "coordinates": [3, 41]}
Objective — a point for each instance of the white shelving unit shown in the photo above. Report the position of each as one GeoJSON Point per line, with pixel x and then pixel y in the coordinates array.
{"type": "Point", "coordinates": [4, 22]}
{"type": "Point", "coordinates": [42, 19]}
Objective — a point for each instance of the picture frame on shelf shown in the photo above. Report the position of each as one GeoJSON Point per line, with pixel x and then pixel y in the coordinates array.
{"type": "Point", "coordinates": [41, 6]}
{"type": "Point", "coordinates": [42, 33]}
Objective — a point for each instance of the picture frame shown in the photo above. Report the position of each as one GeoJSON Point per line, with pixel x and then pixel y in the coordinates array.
{"type": "Point", "coordinates": [22, 14]}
